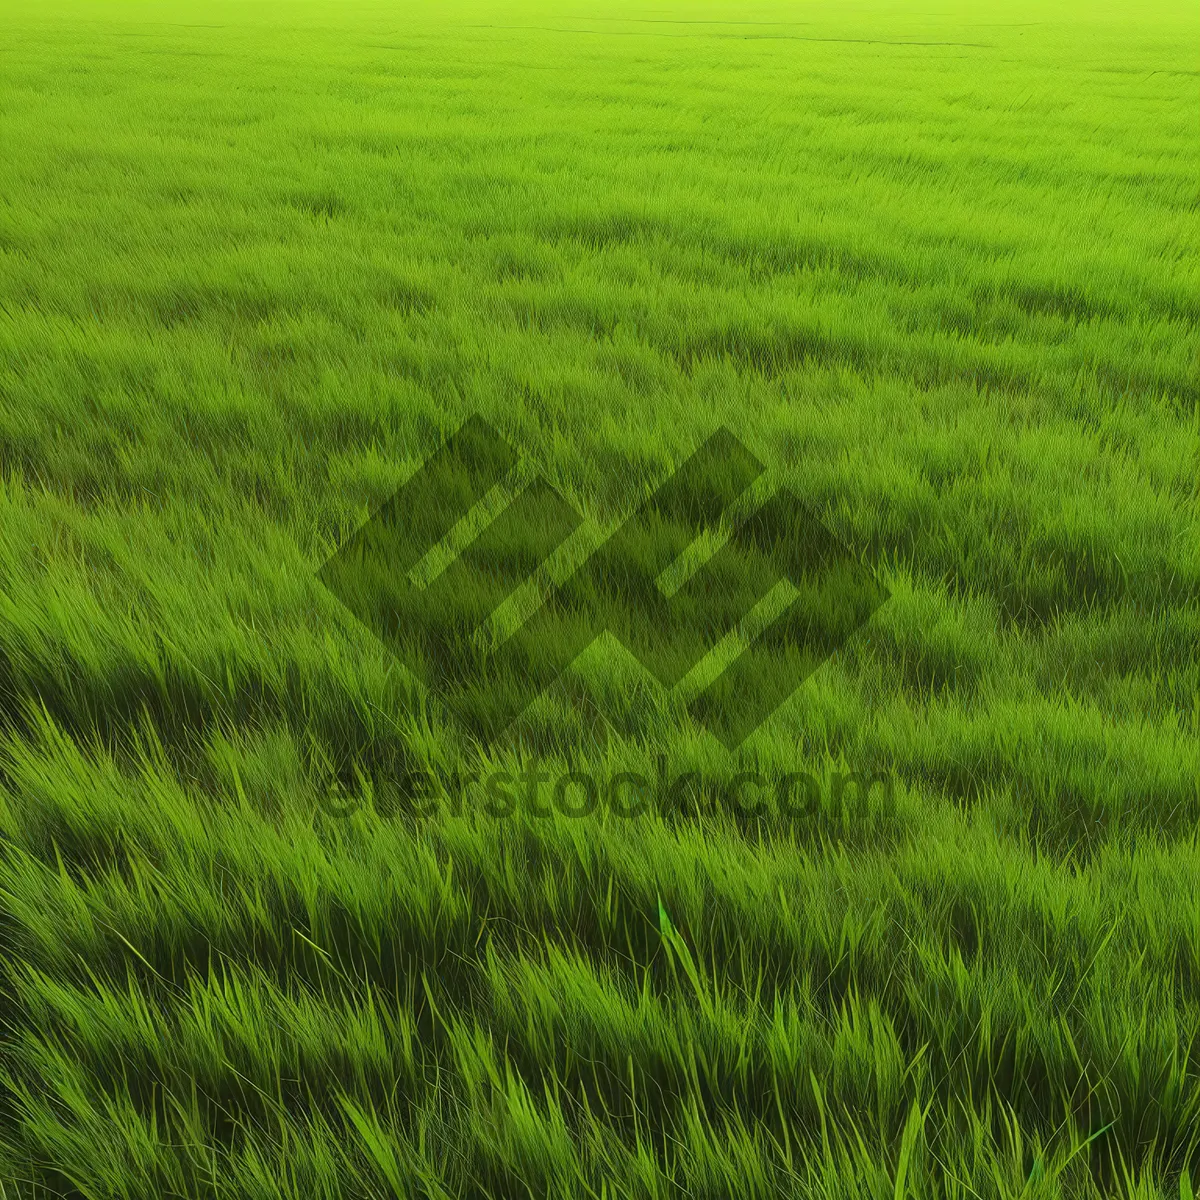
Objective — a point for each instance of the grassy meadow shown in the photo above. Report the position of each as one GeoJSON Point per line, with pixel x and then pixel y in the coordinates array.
{"type": "Point", "coordinates": [937, 272]}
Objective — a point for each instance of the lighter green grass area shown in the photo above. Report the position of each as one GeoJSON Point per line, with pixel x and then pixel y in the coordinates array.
{"type": "Point", "coordinates": [938, 272]}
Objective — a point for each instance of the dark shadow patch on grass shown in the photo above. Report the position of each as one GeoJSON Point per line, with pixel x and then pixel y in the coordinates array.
{"type": "Point", "coordinates": [406, 297]}
{"type": "Point", "coordinates": [1063, 300]}
{"type": "Point", "coordinates": [310, 1079]}
{"type": "Point", "coordinates": [1062, 580]}
{"type": "Point", "coordinates": [1182, 393]}
{"type": "Point", "coordinates": [326, 205]}
{"type": "Point", "coordinates": [640, 368]}
{"type": "Point", "coordinates": [270, 357]}
{"type": "Point", "coordinates": [184, 709]}
{"type": "Point", "coordinates": [522, 264]}
{"type": "Point", "coordinates": [924, 670]}
{"type": "Point", "coordinates": [551, 313]}
{"type": "Point", "coordinates": [1068, 820]}
{"type": "Point", "coordinates": [770, 353]}
{"type": "Point", "coordinates": [176, 305]}
{"type": "Point", "coordinates": [979, 324]}
{"type": "Point", "coordinates": [749, 348]}
{"type": "Point", "coordinates": [183, 303]}
{"type": "Point", "coordinates": [602, 229]}
{"type": "Point", "coordinates": [91, 476]}
{"type": "Point", "coordinates": [767, 257]}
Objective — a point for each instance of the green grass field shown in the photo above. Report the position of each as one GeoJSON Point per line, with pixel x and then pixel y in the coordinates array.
{"type": "Point", "coordinates": [937, 271]}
